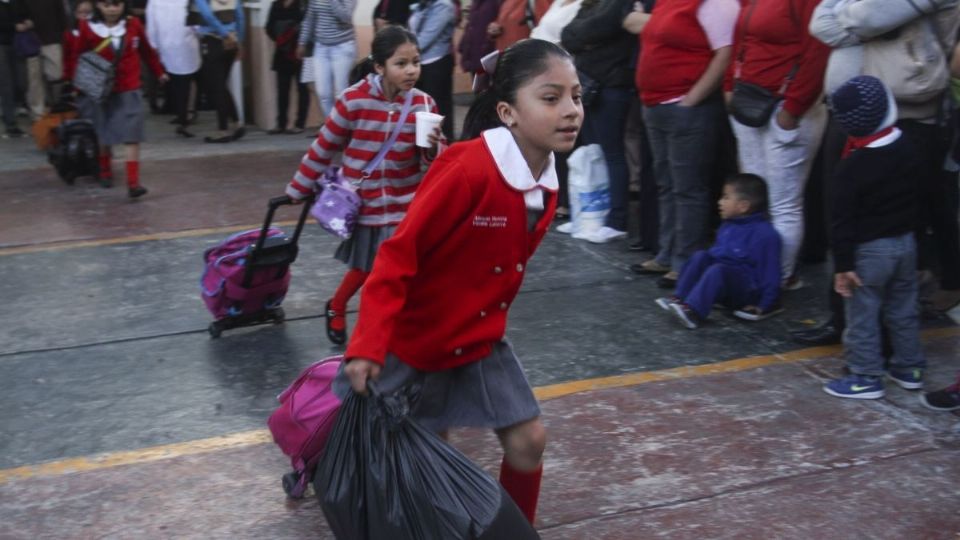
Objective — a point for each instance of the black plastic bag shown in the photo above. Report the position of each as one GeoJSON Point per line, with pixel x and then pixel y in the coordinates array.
{"type": "Point", "coordinates": [383, 476]}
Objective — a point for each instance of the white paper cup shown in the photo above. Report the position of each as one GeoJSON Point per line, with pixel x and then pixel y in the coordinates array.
{"type": "Point", "coordinates": [426, 121]}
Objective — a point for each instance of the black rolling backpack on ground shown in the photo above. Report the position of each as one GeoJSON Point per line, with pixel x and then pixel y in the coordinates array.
{"type": "Point", "coordinates": [77, 152]}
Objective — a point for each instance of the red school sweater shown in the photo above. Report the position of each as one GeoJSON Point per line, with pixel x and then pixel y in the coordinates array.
{"type": "Point", "coordinates": [774, 38]}
{"type": "Point", "coordinates": [135, 47]}
{"type": "Point", "coordinates": [359, 124]}
{"type": "Point", "coordinates": [441, 286]}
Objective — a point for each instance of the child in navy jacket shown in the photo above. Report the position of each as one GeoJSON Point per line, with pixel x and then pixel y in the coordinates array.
{"type": "Point", "coordinates": [742, 268]}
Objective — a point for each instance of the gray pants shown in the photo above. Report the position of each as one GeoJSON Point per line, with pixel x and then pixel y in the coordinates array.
{"type": "Point", "coordinates": [683, 141]}
{"type": "Point", "coordinates": [888, 269]}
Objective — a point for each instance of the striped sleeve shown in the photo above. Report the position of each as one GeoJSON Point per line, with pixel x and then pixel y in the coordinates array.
{"type": "Point", "coordinates": [308, 23]}
{"type": "Point", "coordinates": [330, 141]}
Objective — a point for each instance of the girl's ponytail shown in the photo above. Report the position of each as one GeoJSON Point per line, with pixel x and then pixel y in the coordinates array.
{"type": "Point", "coordinates": [481, 116]}
{"type": "Point", "coordinates": [361, 69]}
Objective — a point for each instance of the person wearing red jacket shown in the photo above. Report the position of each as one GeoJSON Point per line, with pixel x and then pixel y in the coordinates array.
{"type": "Point", "coordinates": [434, 309]}
{"type": "Point", "coordinates": [119, 118]}
{"type": "Point", "coordinates": [773, 49]}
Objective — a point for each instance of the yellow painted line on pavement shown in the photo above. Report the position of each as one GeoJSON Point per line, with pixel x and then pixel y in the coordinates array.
{"type": "Point", "coordinates": [75, 244]}
{"type": "Point", "coordinates": [544, 393]}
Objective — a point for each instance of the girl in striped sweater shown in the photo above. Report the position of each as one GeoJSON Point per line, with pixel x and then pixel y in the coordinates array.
{"type": "Point", "coordinates": [360, 122]}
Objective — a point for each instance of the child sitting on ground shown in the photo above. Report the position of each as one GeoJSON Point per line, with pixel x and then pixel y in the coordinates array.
{"type": "Point", "coordinates": [742, 268]}
{"type": "Point", "coordinates": [875, 255]}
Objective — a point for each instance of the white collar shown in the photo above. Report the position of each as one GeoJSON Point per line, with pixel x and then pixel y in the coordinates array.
{"type": "Point", "coordinates": [104, 31]}
{"type": "Point", "coordinates": [886, 139]}
{"type": "Point", "coordinates": [514, 169]}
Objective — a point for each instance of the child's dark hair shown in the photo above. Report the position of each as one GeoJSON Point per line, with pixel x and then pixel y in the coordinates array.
{"type": "Point", "coordinates": [385, 43]}
{"type": "Point", "coordinates": [516, 65]}
{"type": "Point", "coordinates": [98, 17]}
{"type": "Point", "coordinates": [750, 188]}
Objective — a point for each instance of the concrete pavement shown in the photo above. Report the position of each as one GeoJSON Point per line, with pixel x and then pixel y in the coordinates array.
{"type": "Point", "coordinates": [120, 418]}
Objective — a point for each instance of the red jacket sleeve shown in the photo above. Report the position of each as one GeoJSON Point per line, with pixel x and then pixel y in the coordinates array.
{"type": "Point", "coordinates": [442, 202]}
{"type": "Point", "coordinates": [807, 85]}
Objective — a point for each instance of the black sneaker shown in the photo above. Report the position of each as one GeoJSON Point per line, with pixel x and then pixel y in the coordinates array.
{"type": "Point", "coordinates": [947, 399]}
{"type": "Point", "coordinates": [14, 133]}
{"type": "Point", "coordinates": [135, 192]}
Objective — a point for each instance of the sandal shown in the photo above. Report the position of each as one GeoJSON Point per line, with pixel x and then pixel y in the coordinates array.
{"type": "Point", "coordinates": [338, 337]}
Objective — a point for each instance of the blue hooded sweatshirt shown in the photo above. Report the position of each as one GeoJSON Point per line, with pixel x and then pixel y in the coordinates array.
{"type": "Point", "coordinates": [752, 244]}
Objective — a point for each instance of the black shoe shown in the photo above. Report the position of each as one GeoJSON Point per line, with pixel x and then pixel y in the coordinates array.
{"type": "Point", "coordinates": [638, 246]}
{"type": "Point", "coordinates": [182, 131]}
{"type": "Point", "coordinates": [14, 133]}
{"type": "Point", "coordinates": [239, 133]}
{"type": "Point", "coordinates": [827, 334]}
{"type": "Point", "coordinates": [218, 140]}
{"type": "Point", "coordinates": [338, 337]}
{"type": "Point", "coordinates": [135, 192]}
{"type": "Point", "coordinates": [276, 131]}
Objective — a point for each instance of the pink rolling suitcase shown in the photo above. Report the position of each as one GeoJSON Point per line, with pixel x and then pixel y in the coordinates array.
{"type": "Point", "coordinates": [246, 276]}
{"type": "Point", "coordinates": [303, 422]}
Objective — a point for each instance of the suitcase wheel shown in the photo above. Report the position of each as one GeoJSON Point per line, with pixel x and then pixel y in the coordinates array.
{"type": "Point", "coordinates": [215, 330]}
{"type": "Point", "coordinates": [290, 482]}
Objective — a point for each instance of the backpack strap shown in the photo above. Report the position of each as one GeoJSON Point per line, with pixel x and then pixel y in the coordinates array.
{"type": "Point", "coordinates": [375, 162]}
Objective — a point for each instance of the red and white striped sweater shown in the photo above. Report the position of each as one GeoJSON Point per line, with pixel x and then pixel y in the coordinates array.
{"type": "Point", "coordinates": [359, 124]}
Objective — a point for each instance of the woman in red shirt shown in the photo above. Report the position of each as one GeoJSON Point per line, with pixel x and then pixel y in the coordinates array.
{"type": "Point", "coordinates": [434, 310]}
{"type": "Point", "coordinates": [773, 49]}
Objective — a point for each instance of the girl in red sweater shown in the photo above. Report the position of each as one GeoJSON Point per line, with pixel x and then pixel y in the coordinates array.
{"type": "Point", "coordinates": [119, 118]}
{"type": "Point", "coordinates": [434, 309]}
{"type": "Point", "coordinates": [357, 127]}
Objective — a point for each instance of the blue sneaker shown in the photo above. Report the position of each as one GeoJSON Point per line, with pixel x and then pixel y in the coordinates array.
{"type": "Point", "coordinates": [855, 387]}
{"type": "Point", "coordinates": [909, 379]}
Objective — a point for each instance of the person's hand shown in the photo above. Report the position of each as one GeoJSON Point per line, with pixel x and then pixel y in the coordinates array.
{"type": "Point", "coordinates": [301, 52]}
{"type": "Point", "coordinates": [164, 79]}
{"type": "Point", "coordinates": [845, 283]}
{"type": "Point", "coordinates": [727, 97]}
{"type": "Point", "coordinates": [638, 6]}
{"type": "Point", "coordinates": [293, 200]}
{"type": "Point", "coordinates": [787, 121]}
{"type": "Point", "coordinates": [230, 42]}
{"type": "Point", "coordinates": [494, 30]}
{"type": "Point", "coordinates": [358, 371]}
{"type": "Point", "coordinates": [24, 26]}
{"type": "Point", "coordinates": [435, 136]}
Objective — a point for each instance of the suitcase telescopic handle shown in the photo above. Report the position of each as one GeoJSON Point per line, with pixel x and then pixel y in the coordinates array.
{"type": "Point", "coordinates": [272, 206]}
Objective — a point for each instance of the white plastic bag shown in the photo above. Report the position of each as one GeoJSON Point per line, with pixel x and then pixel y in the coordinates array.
{"type": "Point", "coordinates": [589, 187]}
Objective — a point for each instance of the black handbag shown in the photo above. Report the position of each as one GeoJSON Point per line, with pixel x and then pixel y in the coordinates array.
{"type": "Point", "coordinates": [589, 88]}
{"type": "Point", "coordinates": [752, 105]}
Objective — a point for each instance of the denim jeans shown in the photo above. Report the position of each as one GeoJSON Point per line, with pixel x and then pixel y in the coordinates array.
{"type": "Point", "coordinates": [683, 141]}
{"type": "Point", "coordinates": [331, 71]}
{"type": "Point", "coordinates": [705, 281]}
{"type": "Point", "coordinates": [783, 158]}
{"type": "Point", "coordinates": [605, 124]}
{"type": "Point", "coordinates": [888, 269]}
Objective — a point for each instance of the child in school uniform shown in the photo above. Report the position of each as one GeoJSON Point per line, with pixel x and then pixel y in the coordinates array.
{"type": "Point", "coordinates": [360, 122]}
{"type": "Point", "coordinates": [434, 310]}
{"type": "Point", "coordinates": [119, 119]}
{"type": "Point", "coordinates": [742, 268]}
{"type": "Point", "coordinates": [874, 251]}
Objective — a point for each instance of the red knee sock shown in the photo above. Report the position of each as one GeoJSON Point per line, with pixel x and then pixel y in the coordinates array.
{"type": "Point", "coordinates": [133, 174]}
{"type": "Point", "coordinates": [523, 487]}
{"type": "Point", "coordinates": [352, 281]}
{"type": "Point", "coordinates": [105, 171]}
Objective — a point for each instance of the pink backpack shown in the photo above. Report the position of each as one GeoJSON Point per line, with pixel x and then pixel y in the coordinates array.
{"type": "Point", "coordinates": [222, 280]}
{"type": "Point", "coordinates": [303, 422]}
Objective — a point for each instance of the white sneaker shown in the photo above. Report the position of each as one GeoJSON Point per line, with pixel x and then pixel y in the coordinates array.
{"type": "Point", "coordinates": [565, 228]}
{"type": "Point", "coordinates": [605, 234]}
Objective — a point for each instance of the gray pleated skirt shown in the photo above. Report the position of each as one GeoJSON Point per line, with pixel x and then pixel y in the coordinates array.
{"type": "Point", "coordinates": [492, 392]}
{"type": "Point", "coordinates": [361, 249]}
{"type": "Point", "coordinates": [118, 120]}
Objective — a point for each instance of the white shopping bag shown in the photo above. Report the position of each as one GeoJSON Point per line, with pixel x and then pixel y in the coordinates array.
{"type": "Point", "coordinates": [589, 188]}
